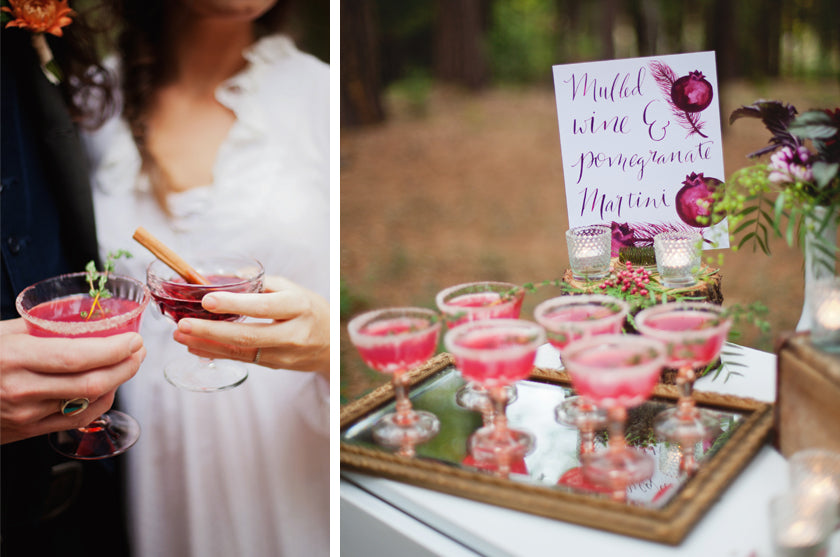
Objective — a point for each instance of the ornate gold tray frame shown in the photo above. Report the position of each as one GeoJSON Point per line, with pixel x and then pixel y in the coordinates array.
{"type": "Point", "coordinates": [668, 524]}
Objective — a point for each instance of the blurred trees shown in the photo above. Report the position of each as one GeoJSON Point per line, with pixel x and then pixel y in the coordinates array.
{"type": "Point", "coordinates": [476, 43]}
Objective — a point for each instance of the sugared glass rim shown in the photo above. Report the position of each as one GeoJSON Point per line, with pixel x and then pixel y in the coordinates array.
{"type": "Point", "coordinates": [680, 336]}
{"type": "Point", "coordinates": [76, 328]}
{"type": "Point", "coordinates": [601, 300]}
{"type": "Point", "coordinates": [500, 287]}
{"type": "Point", "coordinates": [603, 342]}
{"type": "Point", "coordinates": [359, 338]}
{"type": "Point", "coordinates": [450, 340]}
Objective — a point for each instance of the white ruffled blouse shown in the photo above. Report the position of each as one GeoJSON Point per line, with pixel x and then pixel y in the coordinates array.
{"type": "Point", "coordinates": [245, 471]}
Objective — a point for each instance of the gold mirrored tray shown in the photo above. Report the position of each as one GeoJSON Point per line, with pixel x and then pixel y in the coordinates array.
{"type": "Point", "coordinates": [549, 482]}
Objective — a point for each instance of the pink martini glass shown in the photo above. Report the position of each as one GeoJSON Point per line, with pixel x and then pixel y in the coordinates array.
{"type": "Point", "coordinates": [393, 341]}
{"type": "Point", "coordinates": [496, 353]}
{"type": "Point", "coordinates": [474, 301]}
{"type": "Point", "coordinates": [570, 318]}
{"type": "Point", "coordinates": [53, 308]}
{"type": "Point", "coordinates": [694, 333]}
{"type": "Point", "coordinates": [176, 299]}
{"type": "Point", "coordinates": [616, 372]}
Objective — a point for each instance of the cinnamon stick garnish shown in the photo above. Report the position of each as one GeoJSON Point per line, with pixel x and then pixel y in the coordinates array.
{"type": "Point", "coordinates": [169, 257]}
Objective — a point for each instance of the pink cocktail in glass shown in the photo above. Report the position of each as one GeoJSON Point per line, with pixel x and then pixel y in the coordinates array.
{"type": "Point", "coordinates": [393, 341]}
{"type": "Point", "coordinates": [480, 300]}
{"type": "Point", "coordinates": [616, 372]}
{"type": "Point", "coordinates": [62, 307]}
{"type": "Point", "coordinates": [495, 353]}
{"type": "Point", "coordinates": [474, 301]}
{"type": "Point", "coordinates": [695, 333]}
{"type": "Point", "coordinates": [570, 318]}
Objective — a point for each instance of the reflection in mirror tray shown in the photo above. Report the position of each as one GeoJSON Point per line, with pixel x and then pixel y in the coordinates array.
{"type": "Point", "coordinates": [549, 481]}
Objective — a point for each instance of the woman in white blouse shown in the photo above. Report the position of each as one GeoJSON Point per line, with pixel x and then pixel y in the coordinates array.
{"type": "Point", "coordinates": [223, 146]}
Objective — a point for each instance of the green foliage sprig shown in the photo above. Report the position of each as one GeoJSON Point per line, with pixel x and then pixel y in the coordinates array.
{"type": "Point", "coordinates": [97, 281]}
{"type": "Point", "coordinates": [796, 196]}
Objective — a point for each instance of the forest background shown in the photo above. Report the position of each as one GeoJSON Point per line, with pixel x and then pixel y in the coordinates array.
{"type": "Point", "coordinates": [451, 169]}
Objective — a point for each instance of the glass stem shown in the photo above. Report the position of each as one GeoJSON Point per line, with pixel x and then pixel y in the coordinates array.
{"type": "Point", "coordinates": [404, 412]}
{"type": "Point", "coordinates": [685, 387]}
{"type": "Point", "coordinates": [618, 482]}
{"type": "Point", "coordinates": [498, 397]}
{"type": "Point", "coordinates": [407, 447]}
{"type": "Point", "coordinates": [617, 416]}
{"type": "Point", "coordinates": [688, 463]}
{"type": "Point", "coordinates": [587, 438]}
{"type": "Point", "coordinates": [586, 424]}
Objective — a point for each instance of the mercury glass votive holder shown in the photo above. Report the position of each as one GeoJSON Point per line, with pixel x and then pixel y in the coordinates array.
{"type": "Point", "coordinates": [800, 525]}
{"type": "Point", "coordinates": [677, 257]}
{"type": "Point", "coordinates": [816, 472]}
{"type": "Point", "coordinates": [825, 312]}
{"type": "Point", "coordinates": [589, 251]}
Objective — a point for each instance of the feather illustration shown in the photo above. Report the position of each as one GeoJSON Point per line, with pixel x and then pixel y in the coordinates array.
{"type": "Point", "coordinates": [666, 78]}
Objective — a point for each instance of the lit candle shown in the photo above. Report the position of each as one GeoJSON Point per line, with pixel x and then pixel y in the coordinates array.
{"type": "Point", "coordinates": [801, 524]}
{"type": "Point", "coordinates": [828, 314]}
{"type": "Point", "coordinates": [589, 251]}
{"type": "Point", "coordinates": [802, 538]}
{"type": "Point", "coordinates": [816, 474]}
{"type": "Point", "coordinates": [823, 303]}
{"type": "Point", "coordinates": [676, 259]}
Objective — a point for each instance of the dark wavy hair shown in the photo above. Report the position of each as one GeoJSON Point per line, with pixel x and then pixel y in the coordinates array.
{"type": "Point", "coordinates": [88, 87]}
{"type": "Point", "coordinates": [143, 48]}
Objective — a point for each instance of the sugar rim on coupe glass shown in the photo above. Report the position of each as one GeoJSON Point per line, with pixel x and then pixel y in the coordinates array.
{"type": "Point", "coordinates": [679, 307]}
{"type": "Point", "coordinates": [360, 338]}
{"type": "Point", "coordinates": [478, 287]}
{"type": "Point", "coordinates": [76, 328]}
{"type": "Point", "coordinates": [544, 309]}
{"type": "Point", "coordinates": [604, 342]}
{"type": "Point", "coordinates": [535, 332]}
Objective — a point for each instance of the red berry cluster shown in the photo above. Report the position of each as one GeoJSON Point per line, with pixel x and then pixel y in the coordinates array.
{"type": "Point", "coordinates": [632, 280]}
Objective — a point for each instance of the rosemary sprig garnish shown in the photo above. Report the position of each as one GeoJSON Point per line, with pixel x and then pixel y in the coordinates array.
{"type": "Point", "coordinates": [97, 281]}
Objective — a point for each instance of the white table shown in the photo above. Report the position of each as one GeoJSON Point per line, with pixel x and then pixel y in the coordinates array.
{"type": "Point", "coordinates": [384, 517]}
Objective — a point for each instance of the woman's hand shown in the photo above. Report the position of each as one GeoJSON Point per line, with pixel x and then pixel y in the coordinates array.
{"type": "Point", "coordinates": [38, 373]}
{"type": "Point", "coordinates": [297, 338]}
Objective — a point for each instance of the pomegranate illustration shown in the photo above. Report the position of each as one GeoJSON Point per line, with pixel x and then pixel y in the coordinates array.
{"type": "Point", "coordinates": [692, 93]}
{"type": "Point", "coordinates": [695, 200]}
{"type": "Point", "coordinates": [687, 96]}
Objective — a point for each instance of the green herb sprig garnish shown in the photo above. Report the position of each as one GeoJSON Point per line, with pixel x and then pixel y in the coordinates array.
{"type": "Point", "coordinates": [97, 281]}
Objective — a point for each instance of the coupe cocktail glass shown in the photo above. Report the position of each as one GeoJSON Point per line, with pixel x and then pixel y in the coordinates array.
{"type": "Point", "coordinates": [570, 318]}
{"type": "Point", "coordinates": [496, 353]}
{"type": "Point", "coordinates": [474, 301]}
{"type": "Point", "coordinates": [393, 341]}
{"type": "Point", "coordinates": [58, 307]}
{"type": "Point", "coordinates": [694, 333]}
{"type": "Point", "coordinates": [178, 299]}
{"type": "Point", "coordinates": [616, 372]}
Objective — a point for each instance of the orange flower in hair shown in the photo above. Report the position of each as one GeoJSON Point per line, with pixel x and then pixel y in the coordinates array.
{"type": "Point", "coordinates": [40, 16]}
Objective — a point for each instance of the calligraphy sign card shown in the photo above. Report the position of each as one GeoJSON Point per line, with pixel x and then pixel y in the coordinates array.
{"type": "Point", "coordinates": [641, 145]}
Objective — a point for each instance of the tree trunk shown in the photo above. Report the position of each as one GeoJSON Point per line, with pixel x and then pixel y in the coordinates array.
{"type": "Point", "coordinates": [605, 29]}
{"type": "Point", "coordinates": [646, 20]}
{"type": "Point", "coordinates": [771, 37]}
{"type": "Point", "coordinates": [459, 55]}
{"type": "Point", "coordinates": [361, 85]}
{"type": "Point", "coordinates": [720, 37]}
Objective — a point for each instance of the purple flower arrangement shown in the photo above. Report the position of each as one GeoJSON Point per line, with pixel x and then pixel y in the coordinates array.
{"type": "Point", "coordinates": [800, 184]}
